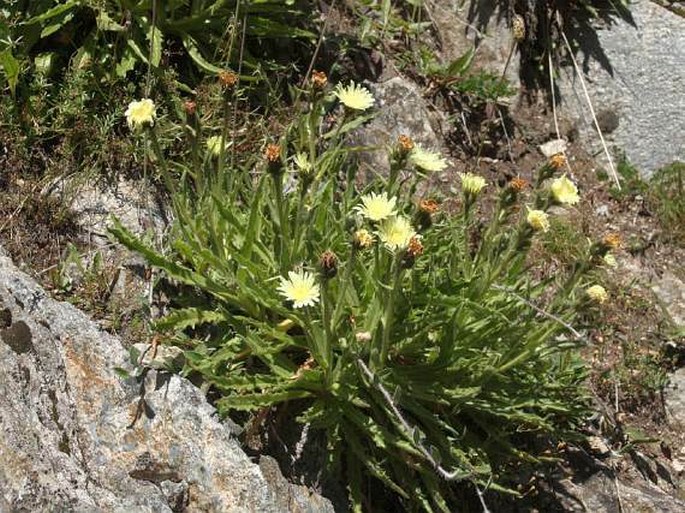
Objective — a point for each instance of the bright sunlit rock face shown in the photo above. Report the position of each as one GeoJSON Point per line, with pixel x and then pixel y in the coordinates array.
{"type": "Point", "coordinates": [564, 191]}
{"type": "Point", "coordinates": [300, 288]}
{"type": "Point", "coordinates": [396, 232]}
{"type": "Point", "coordinates": [354, 96]}
{"type": "Point", "coordinates": [427, 160]}
{"type": "Point", "coordinates": [140, 114]}
{"type": "Point", "coordinates": [377, 207]}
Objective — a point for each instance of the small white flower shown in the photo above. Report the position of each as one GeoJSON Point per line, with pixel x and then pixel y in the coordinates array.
{"type": "Point", "coordinates": [396, 232]}
{"type": "Point", "coordinates": [538, 220]}
{"type": "Point", "coordinates": [300, 288]}
{"type": "Point", "coordinates": [140, 114]}
{"type": "Point", "coordinates": [597, 293]}
{"type": "Point", "coordinates": [564, 191]}
{"type": "Point", "coordinates": [427, 160]}
{"type": "Point", "coordinates": [377, 207]}
{"type": "Point", "coordinates": [214, 145]}
{"type": "Point", "coordinates": [354, 96]}
{"type": "Point", "coordinates": [302, 163]}
{"type": "Point", "coordinates": [472, 184]}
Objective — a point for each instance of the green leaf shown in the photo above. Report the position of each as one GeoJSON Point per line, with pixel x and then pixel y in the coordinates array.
{"type": "Point", "coordinates": [10, 65]}
{"type": "Point", "coordinates": [156, 39]}
{"type": "Point", "coordinates": [55, 11]}
{"type": "Point", "coordinates": [460, 65]}
{"type": "Point", "coordinates": [189, 318]}
{"type": "Point", "coordinates": [196, 55]}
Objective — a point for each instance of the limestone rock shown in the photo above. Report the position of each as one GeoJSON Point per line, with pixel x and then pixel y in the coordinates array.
{"type": "Point", "coordinates": [70, 438]}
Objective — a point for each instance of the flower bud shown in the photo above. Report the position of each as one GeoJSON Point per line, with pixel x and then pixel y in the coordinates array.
{"type": "Point", "coordinates": [190, 108]}
{"type": "Point", "coordinates": [328, 264]}
{"type": "Point", "coordinates": [228, 79]}
{"type": "Point", "coordinates": [405, 144]}
{"type": "Point", "coordinates": [362, 239]}
{"type": "Point", "coordinates": [518, 28]}
{"type": "Point", "coordinates": [272, 154]}
{"type": "Point", "coordinates": [319, 80]}
{"type": "Point", "coordinates": [557, 161]}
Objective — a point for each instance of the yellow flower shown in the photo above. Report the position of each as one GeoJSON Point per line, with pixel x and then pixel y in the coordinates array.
{"type": "Point", "coordinates": [214, 145]}
{"type": "Point", "coordinates": [354, 96]}
{"type": "Point", "coordinates": [302, 163]}
{"type": "Point", "coordinates": [597, 293]}
{"type": "Point", "coordinates": [396, 232]}
{"type": "Point", "coordinates": [538, 220]}
{"type": "Point", "coordinates": [472, 184]}
{"type": "Point", "coordinates": [140, 114]}
{"type": "Point", "coordinates": [564, 191]}
{"type": "Point", "coordinates": [300, 288]}
{"type": "Point", "coordinates": [377, 207]}
{"type": "Point", "coordinates": [427, 160]}
{"type": "Point", "coordinates": [610, 260]}
{"type": "Point", "coordinates": [362, 239]}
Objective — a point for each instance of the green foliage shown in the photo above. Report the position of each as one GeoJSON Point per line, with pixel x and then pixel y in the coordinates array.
{"type": "Point", "coordinates": [631, 182]}
{"type": "Point", "coordinates": [114, 37]}
{"type": "Point", "coordinates": [667, 195]}
{"type": "Point", "coordinates": [424, 363]}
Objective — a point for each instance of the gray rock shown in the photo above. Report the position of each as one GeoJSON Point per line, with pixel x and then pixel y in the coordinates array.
{"type": "Point", "coordinates": [601, 493]}
{"type": "Point", "coordinates": [96, 203]}
{"type": "Point", "coordinates": [637, 92]}
{"type": "Point", "coordinates": [674, 397]}
{"type": "Point", "coordinates": [484, 24]}
{"type": "Point", "coordinates": [671, 292]}
{"type": "Point", "coordinates": [69, 440]}
{"type": "Point", "coordinates": [401, 110]}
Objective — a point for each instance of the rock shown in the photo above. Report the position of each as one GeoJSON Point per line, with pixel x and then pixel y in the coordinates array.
{"type": "Point", "coordinates": [636, 89]}
{"type": "Point", "coordinates": [70, 438]}
{"type": "Point", "coordinates": [601, 493]}
{"type": "Point", "coordinates": [674, 396]}
{"type": "Point", "coordinates": [401, 110]}
{"type": "Point", "coordinates": [671, 292]}
{"type": "Point", "coordinates": [96, 203]}
{"type": "Point", "coordinates": [483, 24]}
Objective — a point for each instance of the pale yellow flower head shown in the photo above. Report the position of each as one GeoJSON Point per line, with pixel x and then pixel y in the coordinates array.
{"type": "Point", "coordinates": [427, 160]}
{"type": "Point", "coordinates": [300, 288]}
{"type": "Point", "coordinates": [610, 260]}
{"type": "Point", "coordinates": [354, 96]}
{"type": "Point", "coordinates": [214, 145]}
{"type": "Point", "coordinates": [377, 207]}
{"type": "Point", "coordinates": [564, 191]}
{"type": "Point", "coordinates": [597, 293]}
{"type": "Point", "coordinates": [472, 184]}
{"type": "Point", "coordinates": [140, 114]}
{"type": "Point", "coordinates": [538, 220]}
{"type": "Point", "coordinates": [396, 232]}
{"type": "Point", "coordinates": [302, 163]}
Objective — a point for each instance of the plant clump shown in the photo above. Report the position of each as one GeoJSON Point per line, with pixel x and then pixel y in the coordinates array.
{"type": "Point", "coordinates": [416, 352]}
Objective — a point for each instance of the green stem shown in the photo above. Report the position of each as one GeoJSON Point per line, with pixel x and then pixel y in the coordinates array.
{"type": "Point", "coordinates": [297, 232]}
{"type": "Point", "coordinates": [390, 311]}
{"type": "Point", "coordinates": [281, 232]}
{"type": "Point", "coordinates": [347, 277]}
{"type": "Point", "coordinates": [157, 150]}
{"type": "Point", "coordinates": [328, 349]}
